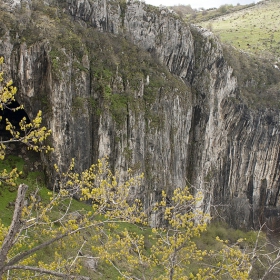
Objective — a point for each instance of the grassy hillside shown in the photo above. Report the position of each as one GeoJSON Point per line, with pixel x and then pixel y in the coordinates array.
{"type": "Point", "coordinates": [254, 29]}
{"type": "Point", "coordinates": [31, 174]}
{"type": "Point", "coordinates": [193, 15]}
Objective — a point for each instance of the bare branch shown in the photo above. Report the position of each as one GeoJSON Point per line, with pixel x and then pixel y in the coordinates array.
{"type": "Point", "coordinates": [14, 227]}
{"type": "Point", "coordinates": [46, 271]}
{"type": "Point", "coordinates": [78, 253]}
{"type": "Point", "coordinates": [24, 254]}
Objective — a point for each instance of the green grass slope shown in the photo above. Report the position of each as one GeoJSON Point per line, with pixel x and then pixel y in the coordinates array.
{"type": "Point", "coordinates": [30, 175]}
{"type": "Point", "coordinates": [255, 29]}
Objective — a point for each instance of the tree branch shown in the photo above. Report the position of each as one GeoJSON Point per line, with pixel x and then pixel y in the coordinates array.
{"type": "Point", "coordinates": [14, 227]}
{"type": "Point", "coordinates": [27, 253]}
{"type": "Point", "coordinates": [46, 271]}
{"type": "Point", "coordinates": [24, 254]}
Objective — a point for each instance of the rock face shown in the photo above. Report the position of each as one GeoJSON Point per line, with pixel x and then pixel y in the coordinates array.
{"type": "Point", "coordinates": [192, 127]}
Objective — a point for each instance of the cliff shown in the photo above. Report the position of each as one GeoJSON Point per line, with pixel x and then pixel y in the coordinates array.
{"type": "Point", "coordinates": [134, 83]}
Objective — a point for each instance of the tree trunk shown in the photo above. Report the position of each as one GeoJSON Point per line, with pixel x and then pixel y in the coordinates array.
{"type": "Point", "coordinates": [14, 227]}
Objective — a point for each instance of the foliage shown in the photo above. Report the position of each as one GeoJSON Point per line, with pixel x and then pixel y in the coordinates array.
{"type": "Point", "coordinates": [258, 79]}
{"type": "Point", "coordinates": [35, 179]}
{"type": "Point", "coordinates": [31, 133]}
{"type": "Point", "coordinates": [202, 15]}
{"type": "Point", "coordinates": [175, 248]}
{"type": "Point", "coordinates": [59, 225]}
{"type": "Point", "coordinates": [78, 104]}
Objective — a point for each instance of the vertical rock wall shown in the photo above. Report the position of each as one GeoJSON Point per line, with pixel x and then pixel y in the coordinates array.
{"type": "Point", "coordinates": [198, 133]}
{"type": "Point", "coordinates": [223, 148]}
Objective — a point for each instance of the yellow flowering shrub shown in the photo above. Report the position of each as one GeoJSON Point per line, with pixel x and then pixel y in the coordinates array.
{"type": "Point", "coordinates": [30, 133]}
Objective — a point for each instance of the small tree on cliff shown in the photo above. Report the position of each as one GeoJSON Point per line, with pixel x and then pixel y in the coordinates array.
{"type": "Point", "coordinates": [52, 227]}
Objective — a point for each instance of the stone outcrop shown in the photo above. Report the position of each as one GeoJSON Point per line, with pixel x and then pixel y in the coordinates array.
{"type": "Point", "coordinates": [196, 129]}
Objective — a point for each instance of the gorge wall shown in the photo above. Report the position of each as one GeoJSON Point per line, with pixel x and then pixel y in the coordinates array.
{"type": "Point", "coordinates": [134, 83]}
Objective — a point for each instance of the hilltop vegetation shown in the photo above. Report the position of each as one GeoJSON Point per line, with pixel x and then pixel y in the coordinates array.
{"type": "Point", "coordinates": [194, 16]}
{"type": "Point", "coordinates": [254, 28]}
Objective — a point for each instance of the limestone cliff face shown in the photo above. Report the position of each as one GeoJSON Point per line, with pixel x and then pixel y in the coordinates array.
{"type": "Point", "coordinates": [193, 128]}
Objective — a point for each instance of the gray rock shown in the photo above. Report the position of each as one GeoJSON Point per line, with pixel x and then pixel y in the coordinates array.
{"type": "Point", "coordinates": [207, 136]}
